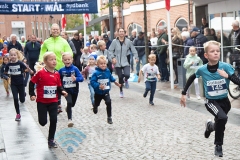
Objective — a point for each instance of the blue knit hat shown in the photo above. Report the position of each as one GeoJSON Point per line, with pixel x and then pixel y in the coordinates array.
{"type": "Point", "coordinates": [94, 55]}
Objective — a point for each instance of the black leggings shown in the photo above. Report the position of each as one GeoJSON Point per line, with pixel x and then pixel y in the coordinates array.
{"type": "Point", "coordinates": [18, 90]}
{"type": "Point", "coordinates": [51, 108]}
{"type": "Point", "coordinates": [71, 100]}
{"type": "Point", "coordinates": [98, 98]}
{"type": "Point", "coordinates": [123, 72]}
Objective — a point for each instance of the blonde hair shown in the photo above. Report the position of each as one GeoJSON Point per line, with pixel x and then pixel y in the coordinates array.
{"type": "Point", "coordinates": [101, 43]}
{"type": "Point", "coordinates": [101, 57]}
{"type": "Point", "coordinates": [177, 32]}
{"type": "Point", "coordinates": [47, 54]}
{"type": "Point", "coordinates": [192, 47]}
{"type": "Point", "coordinates": [85, 48]}
{"type": "Point", "coordinates": [151, 56]}
{"type": "Point", "coordinates": [66, 54]}
{"type": "Point", "coordinates": [19, 54]}
{"type": "Point", "coordinates": [93, 47]}
{"type": "Point", "coordinates": [207, 44]}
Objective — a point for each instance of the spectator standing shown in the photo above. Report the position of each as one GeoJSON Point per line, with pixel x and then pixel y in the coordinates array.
{"type": "Point", "coordinates": [65, 36]}
{"type": "Point", "coordinates": [107, 40]}
{"type": "Point", "coordinates": [14, 43]}
{"type": "Point", "coordinates": [23, 42]}
{"type": "Point", "coordinates": [139, 43]}
{"type": "Point", "coordinates": [32, 52]}
{"type": "Point", "coordinates": [225, 43]}
{"type": "Point", "coordinates": [208, 35]}
{"type": "Point", "coordinates": [78, 46]}
{"type": "Point", "coordinates": [81, 38]}
{"type": "Point", "coordinates": [213, 33]}
{"type": "Point", "coordinates": [199, 39]}
{"type": "Point", "coordinates": [204, 24]}
{"type": "Point", "coordinates": [234, 36]}
{"type": "Point", "coordinates": [187, 42]}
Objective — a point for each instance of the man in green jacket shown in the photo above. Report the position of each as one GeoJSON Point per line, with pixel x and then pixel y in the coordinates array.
{"type": "Point", "coordinates": [56, 44]}
{"type": "Point", "coordinates": [162, 54]}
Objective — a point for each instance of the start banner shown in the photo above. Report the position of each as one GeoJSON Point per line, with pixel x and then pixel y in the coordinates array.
{"type": "Point", "coordinates": [32, 8]}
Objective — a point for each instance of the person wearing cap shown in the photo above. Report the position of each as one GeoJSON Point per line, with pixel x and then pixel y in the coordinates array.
{"type": "Point", "coordinates": [199, 39]}
{"type": "Point", "coordinates": [107, 40]}
{"type": "Point", "coordinates": [162, 53]}
{"type": "Point", "coordinates": [139, 43]}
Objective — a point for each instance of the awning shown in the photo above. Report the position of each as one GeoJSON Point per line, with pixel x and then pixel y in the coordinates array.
{"type": "Point", "coordinates": [205, 2]}
{"type": "Point", "coordinates": [92, 22]}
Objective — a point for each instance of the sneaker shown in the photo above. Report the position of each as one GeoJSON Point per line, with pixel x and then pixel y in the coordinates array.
{"type": "Point", "coordinates": [109, 120]}
{"type": "Point", "coordinates": [95, 110]}
{"type": "Point", "coordinates": [145, 94]}
{"type": "Point", "coordinates": [70, 123]}
{"type": "Point", "coordinates": [126, 84]}
{"type": "Point", "coordinates": [218, 151]}
{"type": "Point", "coordinates": [18, 117]}
{"type": "Point", "coordinates": [52, 144]}
{"type": "Point", "coordinates": [207, 131]}
{"type": "Point", "coordinates": [121, 94]}
{"type": "Point", "coordinates": [198, 97]}
{"type": "Point", "coordinates": [151, 103]}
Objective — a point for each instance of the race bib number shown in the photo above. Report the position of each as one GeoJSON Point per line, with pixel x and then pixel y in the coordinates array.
{"type": "Point", "coordinates": [104, 82]}
{"type": "Point", "coordinates": [68, 82]}
{"type": "Point", "coordinates": [50, 92]}
{"type": "Point", "coordinates": [151, 77]}
{"type": "Point", "coordinates": [15, 70]}
{"type": "Point", "coordinates": [217, 87]}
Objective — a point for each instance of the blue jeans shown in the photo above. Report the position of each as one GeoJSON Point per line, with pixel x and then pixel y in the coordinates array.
{"type": "Point", "coordinates": [151, 86]}
{"type": "Point", "coordinates": [143, 59]}
{"type": "Point", "coordinates": [131, 61]}
{"type": "Point", "coordinates": [91, 93]}
{"type": "Point", "coordinates": [163, 66]}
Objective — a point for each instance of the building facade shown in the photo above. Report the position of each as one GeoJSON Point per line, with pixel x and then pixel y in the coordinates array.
{"type": "Point", "coordinates": [130, 16]}
{"type": "Point", "coordinates": [24, 25]}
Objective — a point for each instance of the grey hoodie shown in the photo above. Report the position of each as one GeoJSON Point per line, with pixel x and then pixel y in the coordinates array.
{"type": "Point", "coordinates": [120, 52]}
{"type": "Point", "coordinates": [105, 53]}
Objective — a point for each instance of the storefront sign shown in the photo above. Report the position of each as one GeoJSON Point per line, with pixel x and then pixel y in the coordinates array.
{"type": "Point", "coordinates": [75, 7]}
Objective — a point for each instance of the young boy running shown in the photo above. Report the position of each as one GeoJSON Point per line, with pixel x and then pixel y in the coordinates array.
{"type": "Point", "coordinates": [101, 83]}
{"type": "Point", "coordinates": [216, 77]}
{"type": "Point", "coordinates": [151, 73]}
{"type": "Point", "coordinates": [70, 76]}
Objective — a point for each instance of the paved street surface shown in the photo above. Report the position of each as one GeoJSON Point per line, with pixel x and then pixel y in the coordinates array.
{"type": "Point", "coordinates": [139, 131]}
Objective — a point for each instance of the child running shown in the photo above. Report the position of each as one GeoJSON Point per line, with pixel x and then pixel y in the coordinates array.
{"type": "Point", "coordinates": [216, 76]}
{"type": "Point", "coordinates": [101, 45]}
{"type": "Point", "coordinates": [101, 83]}
{"type": "Point", "coordinates": [84, 57]}
{"type": "Point", "coordinates": [48, 84]}
{"type": "Point", "coordinates": [70, 76]}
{"type": "Point", "coordinates": [16, 69]}
{"type": "Point", "coordinates": [87, 74]}
{"type": "Point", "coordinates": [191, 64]}
{"type": "Point", "coordinates": [5, 77]}
{"type": "Point", "coordinates": [151, 73]}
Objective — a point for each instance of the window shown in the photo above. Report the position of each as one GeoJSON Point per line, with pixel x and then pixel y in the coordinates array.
{"type": "Point", "coordinates": [133, 26]}
{"type": "Point", "coordinates": [181, 23]}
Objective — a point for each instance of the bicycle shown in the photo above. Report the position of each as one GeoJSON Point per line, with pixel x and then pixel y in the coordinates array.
{"type": "Point", "coordinates": [234, 89]}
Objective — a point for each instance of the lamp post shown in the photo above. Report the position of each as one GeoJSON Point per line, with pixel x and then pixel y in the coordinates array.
{"type": "Point", "coordinates": [111, 23]}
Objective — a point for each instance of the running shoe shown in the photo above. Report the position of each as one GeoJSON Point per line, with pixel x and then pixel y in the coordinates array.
{"type": "Point", "coordinates": [151, 103]}
{"type": "Point", "coordinates": [218, 151]}
{"type": "Point", "coordinates": [52, 144]}
{"type": "Point", "coordinates": [70, 123]}
{"type": "Point", "coordinates": [95, 110]}
{"type": "Point", "coordinates": [109, 120]}
{"type": "Point", "coordinates": [208, 131]}
{"type": "Point", "coordinates": [145, 94]}
{"type": "Point", "coordinates": [121, 94]}
{"type": "Point", "coordinates": [18, 117]}
{"type": "Point", "coordinates": [126, 84]}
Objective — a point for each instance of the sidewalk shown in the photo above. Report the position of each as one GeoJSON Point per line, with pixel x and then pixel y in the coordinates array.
{"type": "Point", "coordinates": [20, 140]}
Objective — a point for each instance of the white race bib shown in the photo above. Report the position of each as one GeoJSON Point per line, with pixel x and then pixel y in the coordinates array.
{"type": "Point", "coordinates": [50, 92]}
{"type": "Point", "coordinates": [217, 87]}
{"type": "Point", "coordinates": [104, 82]}
{"type": "Point", "coordinates": [68, 82]}
{"type": "Point", "coordinates": [15, 70]}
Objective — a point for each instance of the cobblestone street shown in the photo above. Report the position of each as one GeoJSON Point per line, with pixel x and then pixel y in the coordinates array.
{"type": "Point", "coordinates": [139, 131]}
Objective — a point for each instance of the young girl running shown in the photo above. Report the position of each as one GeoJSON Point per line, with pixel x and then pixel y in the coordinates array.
{"type": "Point", "coordinates": [48, 84]}
{"type": "Point", "coordinates": [5, 77]}
{"type": "Point", "coordinates": [70, 76]}
{"type": "Point", "coordinates": [87, 74]}
{"type": "Point", "coordinates": [151, 73]}
{"type": "Point", "coordinates": [15, 69]}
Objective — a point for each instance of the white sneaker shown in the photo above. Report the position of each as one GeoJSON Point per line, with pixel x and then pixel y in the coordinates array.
{"type": "Point", "coordinates": [70, 123]}
{"type": "Point", "coordinates": [198, 97]}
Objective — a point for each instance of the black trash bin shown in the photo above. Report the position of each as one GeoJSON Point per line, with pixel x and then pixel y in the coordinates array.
{"type": "Point", "coordinates": [181, 73]}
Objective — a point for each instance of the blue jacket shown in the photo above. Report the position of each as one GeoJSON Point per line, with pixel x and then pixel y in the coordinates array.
{"type": "Point", "coordinates": [187, 44]}
{"type": "Point", "coordinates": [101, 77]}
{"type": "Point", "coordinates": [67, 83]}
